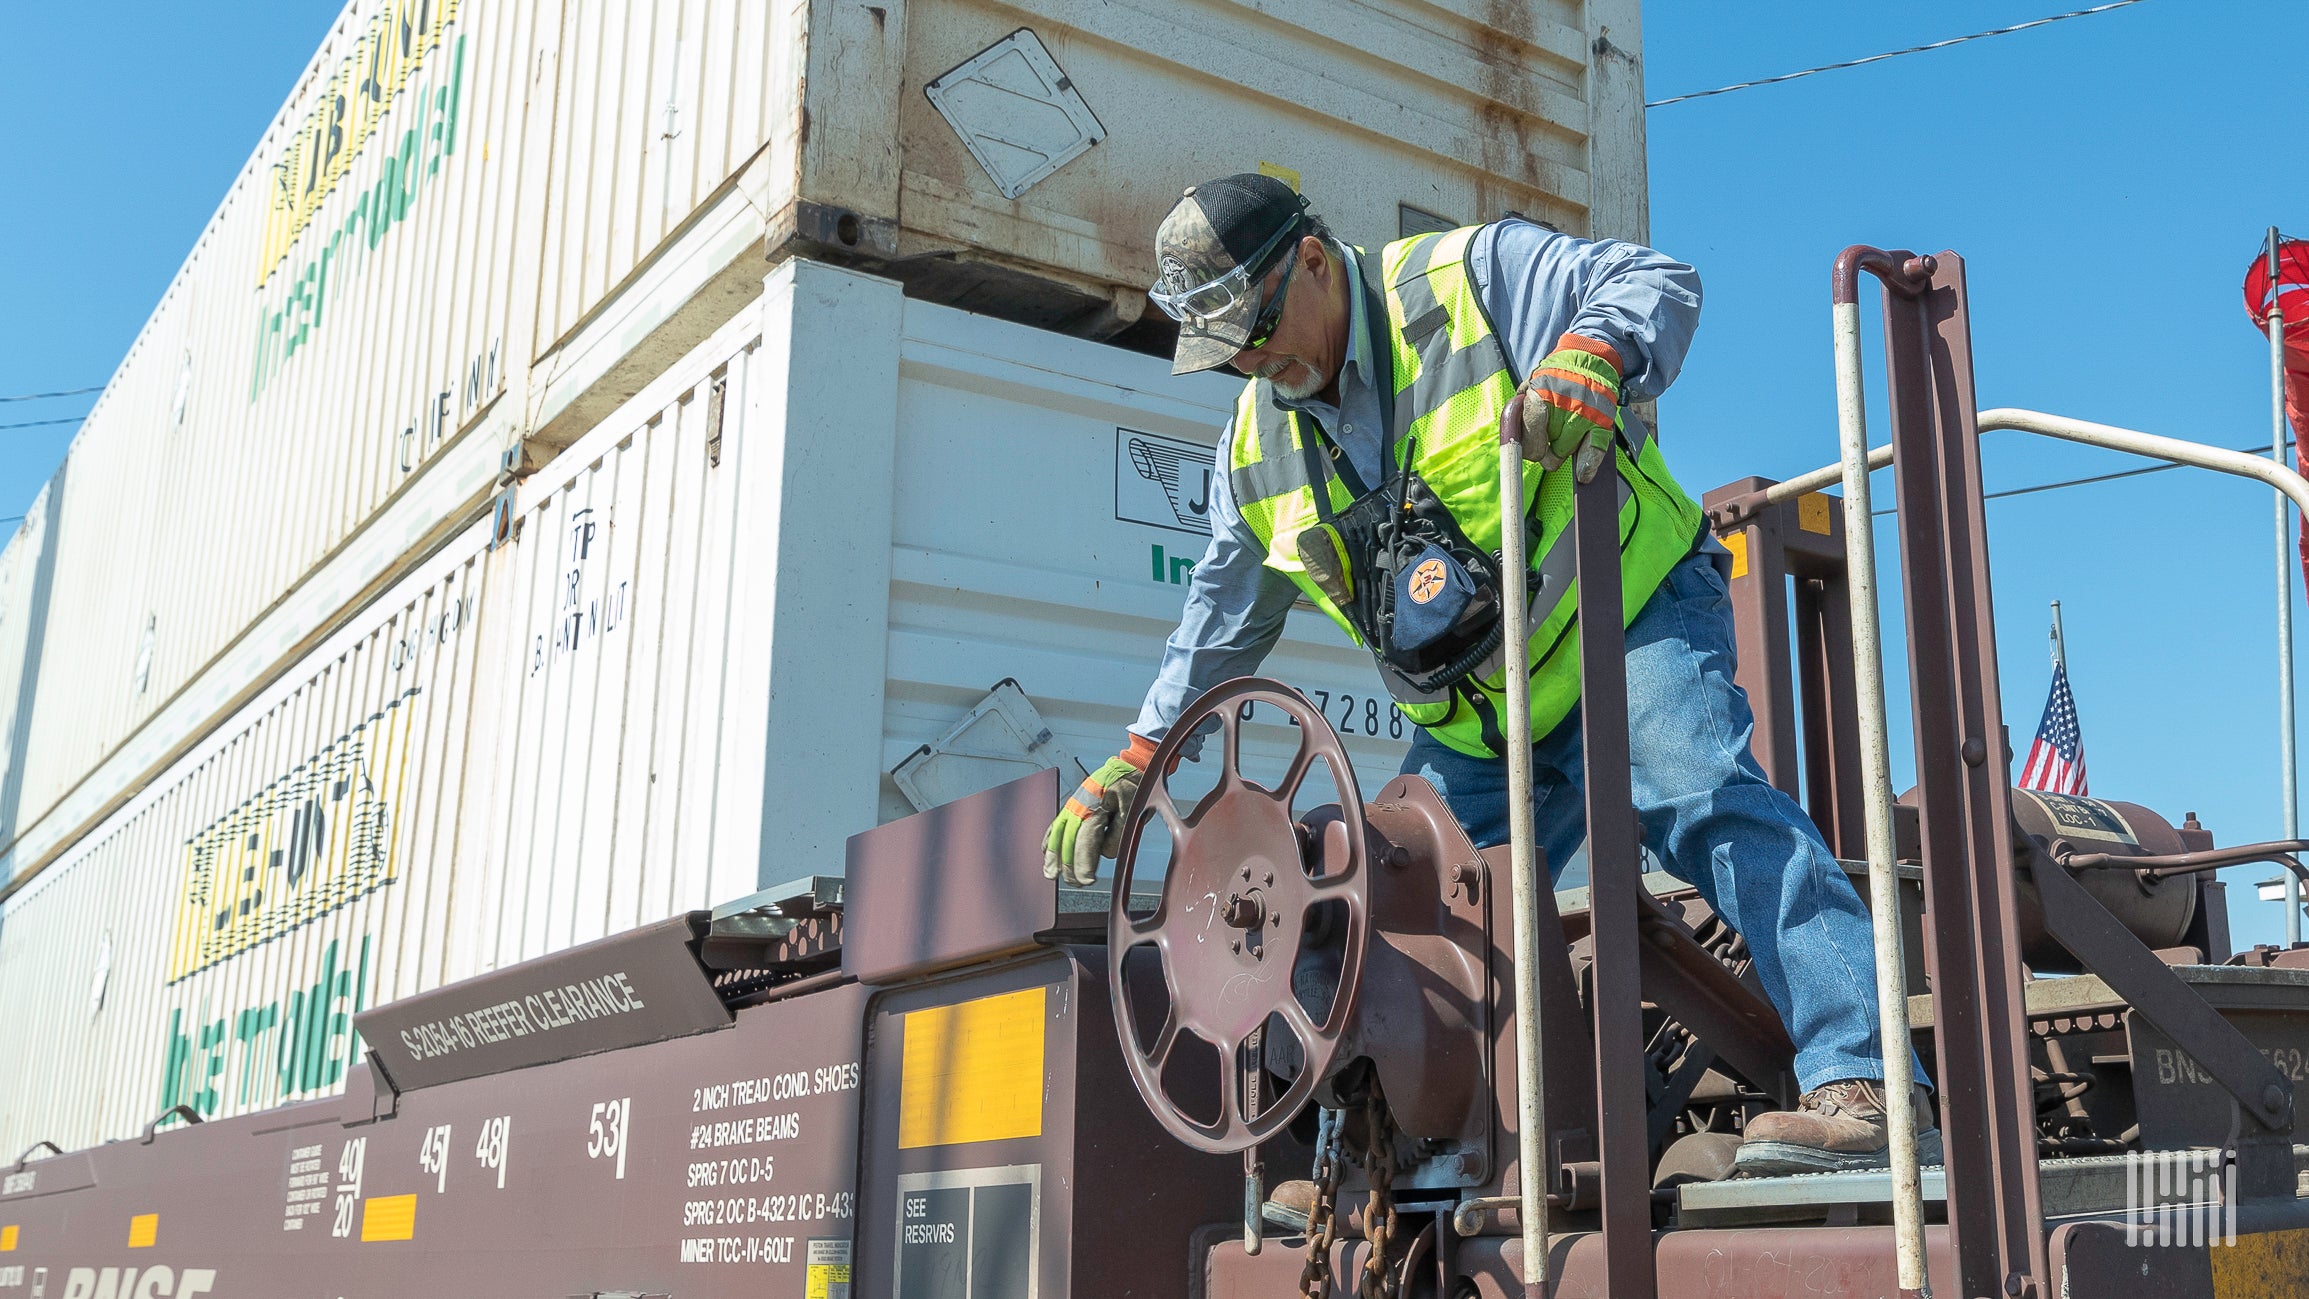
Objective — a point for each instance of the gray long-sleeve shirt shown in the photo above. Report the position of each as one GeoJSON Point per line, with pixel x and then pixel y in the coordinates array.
{"type": "Point", "coordinates": [1538, 286]}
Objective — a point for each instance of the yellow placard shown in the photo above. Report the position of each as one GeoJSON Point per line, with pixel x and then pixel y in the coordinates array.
{"type": "Point", "coordinates": [1812, 513]}
{"type": "Point", "coordinates": [827, 1263]}
{"type": "Point", "coordinates": [823, 1277]}
{"type": "Point", "coordinates": [1281, 173]}
{"type": "Point", "coordinates": [1737, 543]}
{"type": "Point", "coordinates": [2264, 1263]}
{"type": "Point", "coordinates": [8, 1239]}
{"type": "Point", "coordinates": [143, 1230]}
{"type": "Point", "coordinates": [389, 1217]}
{"type": "Point", "coordinates": [973, 1071]}
{"type": "Point", "coordinates": [316, 838]}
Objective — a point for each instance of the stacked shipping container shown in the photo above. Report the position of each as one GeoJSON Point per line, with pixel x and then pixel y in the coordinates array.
{"type": "Point", "coordinates": [296, 721]}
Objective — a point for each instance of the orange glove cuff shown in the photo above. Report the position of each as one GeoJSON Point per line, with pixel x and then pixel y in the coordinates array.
{"type": "Point", "coordinates": [1140, 753]}
{"type": "Point", "coordinates": [1594, 347]}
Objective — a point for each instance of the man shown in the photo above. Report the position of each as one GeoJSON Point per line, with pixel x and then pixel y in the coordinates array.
{"type": "Point", "coordinates": [1383, 380]}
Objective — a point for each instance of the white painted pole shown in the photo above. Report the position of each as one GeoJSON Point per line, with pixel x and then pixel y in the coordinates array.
{"type": "Point", "coordinates": [1530, 1097]}
{"type": "Point", "coordinates": [1876, 798]}
{"type": "Point", "coordinates": [2060, 643]}
{"type": "Point", "coordinates": [2288, 759]}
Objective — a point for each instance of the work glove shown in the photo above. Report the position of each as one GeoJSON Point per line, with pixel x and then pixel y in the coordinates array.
{"type": "Point", "coordinates": [1090, 825]}
{"type": "Point", "coordinates": [1572, 406]}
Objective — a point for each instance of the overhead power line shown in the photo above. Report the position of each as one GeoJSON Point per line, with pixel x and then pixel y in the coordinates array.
{"type": "Point", "coordinates": [1892, 54]}
{"type": "Point", "coordinates": [43, 396]}
{"type": "Point", "coordinates": [2096, 478]}
{"type": "Point", "coordinates": [43, 423]}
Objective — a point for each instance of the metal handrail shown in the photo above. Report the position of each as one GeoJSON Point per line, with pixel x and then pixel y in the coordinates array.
{"type": "Point", "coordinates": [1876, 776]}
{"type": "Point", "coordinates": [1851, 471]}
{"type": "Point", "coordinates": [1523, 877]}
{"type": "Point", "coordinates": [2243, 464]}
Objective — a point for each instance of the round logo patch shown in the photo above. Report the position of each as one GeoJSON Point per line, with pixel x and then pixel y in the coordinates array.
{"type": "Point", "coordinates": [1426, 581]}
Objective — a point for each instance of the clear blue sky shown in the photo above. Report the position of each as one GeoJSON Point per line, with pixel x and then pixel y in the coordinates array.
{"type": "Point", "coordinates": [2107, 180]}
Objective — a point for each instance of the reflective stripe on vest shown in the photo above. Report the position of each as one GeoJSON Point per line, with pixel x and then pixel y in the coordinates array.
{"type": "Point", "coordinates": [1452, 383]}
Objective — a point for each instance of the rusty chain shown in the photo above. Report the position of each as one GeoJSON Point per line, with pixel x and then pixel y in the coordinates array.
{"type": "Point", "coordinates": [1315, 1274]}
{"type": "Point", "coordinates": [1375, 1155]}
{"type": "Point", "coordinates": [1378, 1161]}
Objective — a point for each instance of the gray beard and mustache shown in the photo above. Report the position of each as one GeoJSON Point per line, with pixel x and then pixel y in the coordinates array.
{"type": "Point", "coordinates": [1304, 387]}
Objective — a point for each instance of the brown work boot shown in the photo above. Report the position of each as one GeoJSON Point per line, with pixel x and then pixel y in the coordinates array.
{"type": "Point", "coordinates": [1834, 1128]}
{"type": "Point", "coordinates": [1289, 1204]}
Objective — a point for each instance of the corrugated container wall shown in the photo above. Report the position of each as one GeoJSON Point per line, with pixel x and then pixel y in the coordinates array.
{"type": "Point", "coordinates": [686, 668]}
{"type": "Point", "coordinates": [479, 226]}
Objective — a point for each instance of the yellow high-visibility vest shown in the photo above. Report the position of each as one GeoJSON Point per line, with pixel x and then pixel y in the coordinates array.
{"type": "Point", "coordinates": [1452, 382]}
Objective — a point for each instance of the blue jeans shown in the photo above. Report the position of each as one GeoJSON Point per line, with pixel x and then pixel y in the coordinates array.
{"type": "Point", "coordinates": [1712, 817]}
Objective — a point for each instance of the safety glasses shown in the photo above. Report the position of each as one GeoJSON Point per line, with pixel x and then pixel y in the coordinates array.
{"type": "Point", "coordinates": [1271, 314]}
{"type": "Point", "coordinates": [1213, 299]}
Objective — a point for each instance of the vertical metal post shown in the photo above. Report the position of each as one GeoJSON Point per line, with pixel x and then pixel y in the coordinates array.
{"type": "Point", "coordinates": [2287, 757]}
{"type": "Point", "coordinates": [1759, 588]}
{"type": "Point", "coordinates": [1995, 1210]}
{"type": "Point", "coordinates": [1876, 791]}
{"type": "Point", "coordinates": [1795, 654]}
{"type": "Point", "coordinates": [2060, 642]}
{"type": "Point", "coordinates": [1530, 1091]}
{"type": "Point", "coordinates": [1615, 866]}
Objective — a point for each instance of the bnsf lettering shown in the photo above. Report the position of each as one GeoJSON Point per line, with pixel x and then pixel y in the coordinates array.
{"type": "Point", "coordinates": [132, 1283]}
{"type": "Point", "coordinates": [2175, 1066]}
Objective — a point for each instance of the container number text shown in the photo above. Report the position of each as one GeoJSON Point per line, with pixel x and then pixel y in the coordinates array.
{"type": "Point", "coordinates": [1354, 714]}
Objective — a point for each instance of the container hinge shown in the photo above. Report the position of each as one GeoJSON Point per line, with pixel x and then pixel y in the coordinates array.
{"type": "Point", "coordinates": [513, 466]}
{"type": "Point", "coordinates": [717, 399]}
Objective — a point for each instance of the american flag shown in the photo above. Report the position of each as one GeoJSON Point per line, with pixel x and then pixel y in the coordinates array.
{"type": "Point", "coordinates": [2056, 762]}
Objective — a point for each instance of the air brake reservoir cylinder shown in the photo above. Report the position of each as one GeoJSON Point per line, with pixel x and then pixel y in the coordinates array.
{"type": "Point", "coordinates": [2048, 827]}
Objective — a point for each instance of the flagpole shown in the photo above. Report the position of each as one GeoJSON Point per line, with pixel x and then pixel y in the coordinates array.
{"type": "Point", "coordinates": [2059, 646]}
{"type": "Point", "coordinates": [2287, 757]}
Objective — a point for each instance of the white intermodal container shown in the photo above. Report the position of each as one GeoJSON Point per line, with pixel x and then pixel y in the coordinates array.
{"type": "Point", "coordinates": [478, 227]}
{"type": "Point", "coordinates": [681, 664]}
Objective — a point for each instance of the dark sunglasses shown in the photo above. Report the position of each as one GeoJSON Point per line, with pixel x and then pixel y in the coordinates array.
{"type": "Point", "coordinates": [1271, 315]}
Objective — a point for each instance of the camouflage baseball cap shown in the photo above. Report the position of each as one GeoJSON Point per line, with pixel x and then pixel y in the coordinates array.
{"type": "Point", "coordinates": [1212, 248]}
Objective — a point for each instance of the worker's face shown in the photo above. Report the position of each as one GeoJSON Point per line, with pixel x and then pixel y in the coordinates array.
{"type": "Point", "coordinates": [1303, 355]}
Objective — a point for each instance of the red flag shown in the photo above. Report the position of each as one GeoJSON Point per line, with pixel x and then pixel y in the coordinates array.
{"type": "Point", "coordinates": [2291, 295]}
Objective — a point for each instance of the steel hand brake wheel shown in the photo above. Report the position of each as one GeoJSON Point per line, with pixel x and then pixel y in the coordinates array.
{"type": "Point", "coordinates": [1246, 882]}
